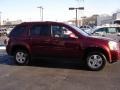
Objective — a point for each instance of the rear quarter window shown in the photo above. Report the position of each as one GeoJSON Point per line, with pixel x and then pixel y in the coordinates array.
{"type": "Point", "coordinates": [18, 31]}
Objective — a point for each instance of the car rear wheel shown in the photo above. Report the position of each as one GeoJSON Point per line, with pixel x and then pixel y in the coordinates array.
{"type": "Point", "coordinates": [95, 61]}
{"type": "Point", "coordinates": [21, 57]}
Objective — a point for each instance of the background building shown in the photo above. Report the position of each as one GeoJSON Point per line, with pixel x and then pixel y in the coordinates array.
{"type": "Point", "coordinates": [107, 19]}
{"type": "Point", "coordinates": [104, 19]}
{"type": "Point", "coordinates": [116, 17]}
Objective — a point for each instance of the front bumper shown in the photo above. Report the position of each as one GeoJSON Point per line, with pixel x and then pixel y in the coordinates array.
{"type": "Point", "coordinates": [115, 56]}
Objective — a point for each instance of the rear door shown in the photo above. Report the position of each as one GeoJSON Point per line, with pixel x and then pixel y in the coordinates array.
{"type": "Point", "coordinates": [40, 39]}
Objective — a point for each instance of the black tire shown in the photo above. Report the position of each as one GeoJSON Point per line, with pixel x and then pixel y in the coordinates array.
{"type": "Point", "coordinates": [21, 57]}
{"type": "Point", "coordinates": [95, 61]}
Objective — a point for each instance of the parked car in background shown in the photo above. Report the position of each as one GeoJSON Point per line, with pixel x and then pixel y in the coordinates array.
{"type": "Point", "coordinates": [55, 39]}
{"type": "Point", "coordinates": [3, 32]}
{"type": "Point", "coordinates": [112, 31]}
{"type": "Point", "coordinates": [86, 28]}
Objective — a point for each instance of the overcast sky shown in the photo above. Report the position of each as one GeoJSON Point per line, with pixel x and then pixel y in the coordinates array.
{"type": "Point", "coordinates": [54, 10]}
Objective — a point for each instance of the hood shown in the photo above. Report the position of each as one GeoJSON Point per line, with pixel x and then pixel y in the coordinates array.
{"type": "Point", "coordinates": [101, 38]}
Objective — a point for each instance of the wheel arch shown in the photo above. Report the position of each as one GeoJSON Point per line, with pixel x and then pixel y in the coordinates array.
{"type": "Point", "coordinates": [96, 49]}
{"type": "Point", "coordinates": [21, 47]}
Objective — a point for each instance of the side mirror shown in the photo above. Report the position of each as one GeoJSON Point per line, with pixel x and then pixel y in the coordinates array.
{"type": "Point", "coordinates": [73, 36]}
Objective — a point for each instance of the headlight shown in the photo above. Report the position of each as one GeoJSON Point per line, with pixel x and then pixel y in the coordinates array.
{"type": "Point", "coordinates": [113, 45]}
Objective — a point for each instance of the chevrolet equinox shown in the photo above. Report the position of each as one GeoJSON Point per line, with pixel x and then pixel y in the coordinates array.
{"type": "Point", "coordinates": [55, 39]}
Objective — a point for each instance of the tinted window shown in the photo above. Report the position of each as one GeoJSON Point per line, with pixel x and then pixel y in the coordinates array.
{"type": "Point", "coordinates": [40, 30]}
{"type": "Point", "coordinates": [18, 31]}
{"type": "Point", "coordinates": [101, 30]}
{"type": "Point", "coordinates": [57, 31]}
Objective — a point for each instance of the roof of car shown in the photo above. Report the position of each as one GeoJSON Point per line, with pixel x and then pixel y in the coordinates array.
{"type": "Point", "coordinates": [24, 23]}
{"type": "Point", "coordinates": [111, 25]}
{"type": "Point", "coordinates": [107, 26]}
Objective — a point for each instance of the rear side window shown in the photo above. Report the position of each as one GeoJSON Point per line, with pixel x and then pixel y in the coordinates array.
{"type": "Point", "coordinates": [18, 31]}
{"type": "Point", "coordinates": [41, 30]}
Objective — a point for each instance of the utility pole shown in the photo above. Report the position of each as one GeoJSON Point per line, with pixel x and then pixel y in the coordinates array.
{"type": "Point", "coordinates": [41, 12]}
{"type": "Point", "coordinates": [79, 8]}
{"type": "Point", "coordinates": [0, 20]}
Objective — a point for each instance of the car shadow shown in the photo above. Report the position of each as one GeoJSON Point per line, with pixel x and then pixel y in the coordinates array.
{"type": "Point", "coordinates": [47, 63]}
{"type": "Point", "coordinates": [7, 60]}
{"type": "Point", "coordinates": [58, 63]}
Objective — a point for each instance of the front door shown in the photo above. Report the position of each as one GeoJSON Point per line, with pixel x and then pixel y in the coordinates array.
{"type": "Point", "coordinates": [65, 43]}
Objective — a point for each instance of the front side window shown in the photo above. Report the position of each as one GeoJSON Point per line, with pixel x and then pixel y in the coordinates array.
{"type": "Point", "coordinates": [62, 32]}
{"type": "Point", "coordinates": [101, 30]}
{"type": "Point", "coordinates": [40, 30]}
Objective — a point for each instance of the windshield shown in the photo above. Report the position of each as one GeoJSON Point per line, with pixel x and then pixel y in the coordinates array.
{"type": "Point", "coordinates": [79, 30]}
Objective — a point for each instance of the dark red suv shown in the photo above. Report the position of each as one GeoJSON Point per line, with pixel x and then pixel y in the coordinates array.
{"type": "Point", "coordinates": [55, 39]}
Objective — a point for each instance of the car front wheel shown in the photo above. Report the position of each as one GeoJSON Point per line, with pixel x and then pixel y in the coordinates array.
{"type": "Point", "coordinates": [21, 57]}
{"type": "Point", "coordinates": [95, 61]}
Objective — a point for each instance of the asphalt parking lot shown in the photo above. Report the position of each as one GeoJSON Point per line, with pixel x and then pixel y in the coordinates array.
{"type": "Point", "coordinates": [58, 75]}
